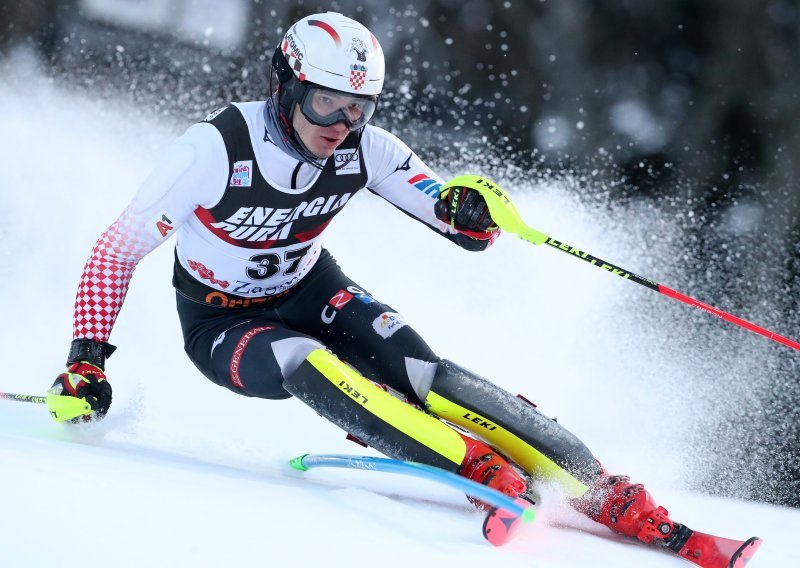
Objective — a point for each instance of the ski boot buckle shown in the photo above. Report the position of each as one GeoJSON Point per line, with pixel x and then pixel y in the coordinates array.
{"type": "Point", "coordinates": [657, 525]}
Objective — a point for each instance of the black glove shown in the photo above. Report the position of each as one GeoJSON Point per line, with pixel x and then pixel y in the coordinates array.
{"type": "Point", "coordinates": [464, 209]}
{"type": "Point", "coordinates": [85, 380]}
{"type": "Point", "coordinates": [88, 382]}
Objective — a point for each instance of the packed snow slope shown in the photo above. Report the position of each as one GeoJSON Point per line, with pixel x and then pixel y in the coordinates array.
{"type": "Point", "coordinates": [183, 473]}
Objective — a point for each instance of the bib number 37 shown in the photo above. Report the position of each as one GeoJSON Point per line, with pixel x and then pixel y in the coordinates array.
{"type": "Point", "coordinates": [269, 264]}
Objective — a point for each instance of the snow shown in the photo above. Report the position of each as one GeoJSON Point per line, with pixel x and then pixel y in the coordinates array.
{"type": "Point", "coordinates": [183, 473]}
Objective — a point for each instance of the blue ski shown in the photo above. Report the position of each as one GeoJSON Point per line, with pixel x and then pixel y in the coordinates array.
{"type": "Point", "coordinates": [501, 521]}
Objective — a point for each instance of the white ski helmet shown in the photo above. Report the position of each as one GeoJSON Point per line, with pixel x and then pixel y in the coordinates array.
{"type": "Point", "coordinates": [323, 53]}
{"type": "Point", "coordinates": [334, 51]}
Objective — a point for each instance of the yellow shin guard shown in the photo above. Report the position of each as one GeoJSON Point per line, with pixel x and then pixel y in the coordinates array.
{"type": "Point", "coordinates": [343, 396]}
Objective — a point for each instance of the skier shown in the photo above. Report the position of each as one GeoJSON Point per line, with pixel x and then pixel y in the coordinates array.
{"type": "Point", "coordinates": [267, 312]}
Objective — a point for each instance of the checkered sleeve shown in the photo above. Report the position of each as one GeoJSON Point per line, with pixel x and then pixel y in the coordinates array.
{"type": "Point", "coordinates": [107, 275]}
{"type": "Point", "coordinates": [192, 172]}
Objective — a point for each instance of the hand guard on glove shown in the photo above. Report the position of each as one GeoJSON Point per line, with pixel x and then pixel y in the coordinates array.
{"type": "Point", "coordinates": [88, 382]}
{"type": "Point", "coordinates": [84, 379]}
{"type": "Point", "coordinates": [465, 209]}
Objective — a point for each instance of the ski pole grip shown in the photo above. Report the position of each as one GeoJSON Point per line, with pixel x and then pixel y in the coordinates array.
{"type": "Point", "coordinates": [503, 211]}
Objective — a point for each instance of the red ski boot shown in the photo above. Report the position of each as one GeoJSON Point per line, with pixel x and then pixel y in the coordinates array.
{"type": "Point", "coordinates": [629, 509]}
{"type": "Point", "coordinates": [626, 508]}
{"type": "Point", "coordinates": [482, 464]}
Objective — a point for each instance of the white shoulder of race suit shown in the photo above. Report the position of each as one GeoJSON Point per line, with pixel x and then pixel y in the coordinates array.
{"type": "Point", "coordinates": [193, 174]}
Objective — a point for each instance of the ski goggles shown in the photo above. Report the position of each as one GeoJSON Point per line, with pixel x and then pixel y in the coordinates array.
{"type": "Point", "coordinates": [325, 107]}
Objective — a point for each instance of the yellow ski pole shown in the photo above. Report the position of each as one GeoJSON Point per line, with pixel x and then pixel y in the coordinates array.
{"type": "Point", "coordinates": [62, 408]}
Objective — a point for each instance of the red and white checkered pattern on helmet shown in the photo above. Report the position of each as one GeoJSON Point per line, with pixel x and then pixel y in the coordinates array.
{"type": "Point", "coordinates": [358, 76]}
{"type": "Point", "coordinates": [294, 63]}
{"type": "Point", "coordinates": [107, 275]}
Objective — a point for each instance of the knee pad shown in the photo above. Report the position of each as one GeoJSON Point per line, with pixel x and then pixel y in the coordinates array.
{"type": "Point", "coordinates": [292, 351]}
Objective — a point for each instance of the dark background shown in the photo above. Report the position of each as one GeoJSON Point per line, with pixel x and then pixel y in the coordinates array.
{"type": "Point", "coordinates": [689, 104]}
